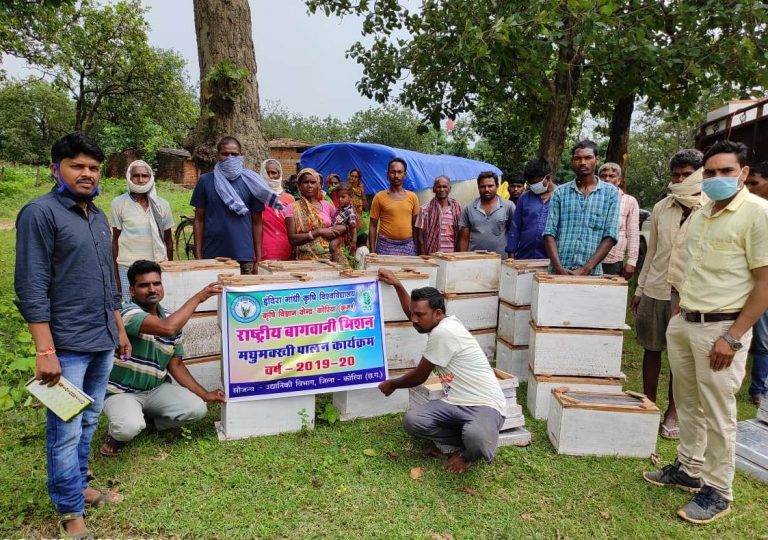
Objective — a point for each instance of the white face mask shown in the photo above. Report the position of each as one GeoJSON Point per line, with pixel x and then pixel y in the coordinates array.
{"type": "Point", "coordinates": [539, 187]}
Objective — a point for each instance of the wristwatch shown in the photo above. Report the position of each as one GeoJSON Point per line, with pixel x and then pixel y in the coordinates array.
{"type": "Point", "coordinates": [733, 342]}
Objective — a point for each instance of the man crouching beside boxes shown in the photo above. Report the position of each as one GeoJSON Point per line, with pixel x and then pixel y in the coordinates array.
{"type": "Point", "coordinates": [463, 425]}
{"type": "Point", "coordinates": [140, 385]}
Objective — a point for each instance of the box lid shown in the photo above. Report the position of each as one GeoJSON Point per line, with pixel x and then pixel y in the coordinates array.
{"type": "Point", "coordinates": [402, 274]}
{"type": "Point", "coordinates": [553, 279]}
{"type": "Point", "coordinates": [237, 280]}
{"type": "Point", "coordinates": [574, 331]}
{"type": "Point", "coordinates": [527, 264]}
{"type": "Point", "coordinates": [604, 401]}
{"type": "Point", "coordinates": [399, 260]}
{"type": "Point", "coordinates": [469, 296]}
{"type": "Point", "coordinates": [466, 255]}
{"type": "Point", "coordinates": [503, 342]}
{"type": "Point", "coordinates": [565, 380]}
{"type": "Point", "coordinates": [221, 263]}
{"type": "Point", "coordinates": [506, 380]}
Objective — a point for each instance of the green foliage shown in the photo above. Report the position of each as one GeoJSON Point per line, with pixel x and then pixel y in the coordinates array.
{"type": "Point", "coordinates": [329, 414]}
{"type": "Point", "coordinates": [26, 27]}
{"type": "Point", "coordinates": [223, 85]}
{"type": "Point", "coordinates": [33, 114]}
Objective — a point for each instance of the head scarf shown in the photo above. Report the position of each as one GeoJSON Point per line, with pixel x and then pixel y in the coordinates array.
{"type": "Point", "coordinates": [159, 251]}
{"type": "Point", "coordinates": [688, 192]}
{"type": "Point", "coordinates": [332, 192]}
{"type": "Point", "coordinates": [274, 185]}
{"type": "Point", "coordinates": [227, 171]}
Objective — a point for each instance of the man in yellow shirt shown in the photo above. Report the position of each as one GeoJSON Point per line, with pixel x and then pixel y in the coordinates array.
{"type": "Point", "coordinates": [393, 214]}
{"type": "Point", "coordinates": [724, 291]}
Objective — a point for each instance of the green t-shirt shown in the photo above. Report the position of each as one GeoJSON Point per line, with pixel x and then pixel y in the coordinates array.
{"type": "Point", "coordinates": [148, 366]}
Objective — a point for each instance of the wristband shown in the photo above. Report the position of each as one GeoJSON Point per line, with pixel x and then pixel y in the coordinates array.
{"type": "Point", "coordinates": [46, 352]}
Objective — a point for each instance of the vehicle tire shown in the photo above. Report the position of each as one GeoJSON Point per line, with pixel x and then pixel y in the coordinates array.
{"type": "Point", "coordinates": [185, 239]}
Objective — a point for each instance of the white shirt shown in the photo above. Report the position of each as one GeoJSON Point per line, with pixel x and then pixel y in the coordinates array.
{"type": "Point", "coordinates": [462, 367]}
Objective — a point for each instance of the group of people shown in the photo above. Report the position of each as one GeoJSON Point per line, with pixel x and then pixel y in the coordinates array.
{"type": "Point", "coordinates": [703, 286]}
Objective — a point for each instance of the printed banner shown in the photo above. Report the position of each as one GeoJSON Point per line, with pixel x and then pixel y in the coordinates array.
{"type": "Point", "coordinates": [302, 338]}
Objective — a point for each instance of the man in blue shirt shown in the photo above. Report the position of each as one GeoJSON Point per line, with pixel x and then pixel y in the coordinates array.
{"type": "Point", "coordinates": [526, 235]}
{"type": "Point", "coordinates": [583, 221]}
{"type": "Point", "coordinates": [220, 231]}
{"type": "Point", "coordinates": [67, 294]}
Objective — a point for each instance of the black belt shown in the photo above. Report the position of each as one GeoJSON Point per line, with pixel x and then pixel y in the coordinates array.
{"type": "Point", "coordinates": [692, 316]}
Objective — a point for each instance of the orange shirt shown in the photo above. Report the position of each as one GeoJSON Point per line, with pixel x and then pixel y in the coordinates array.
{"type": "Point", "coordinates": [395, 216]}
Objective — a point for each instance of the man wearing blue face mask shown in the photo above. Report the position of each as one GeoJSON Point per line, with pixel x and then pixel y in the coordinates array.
{"type": "Point", "coordinates": [228, 204]}
{"type": "Point", "coordinates": [525, 239]}
{"type": "Point", "coordinates": [66, 292]}
{"type": "Point", "coordinates": [724, 291]}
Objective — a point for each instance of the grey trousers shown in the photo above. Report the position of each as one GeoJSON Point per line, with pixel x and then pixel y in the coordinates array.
{"type": "Point", "coordinates": [170, 405]}
{"type": "Point", "coordinates": [473, 431]}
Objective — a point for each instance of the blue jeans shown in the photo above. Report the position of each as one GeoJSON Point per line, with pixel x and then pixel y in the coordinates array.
{"type": "Point", "coordinates": [68, 444]}
{"type": "Point", "coordinates": [759, 357]}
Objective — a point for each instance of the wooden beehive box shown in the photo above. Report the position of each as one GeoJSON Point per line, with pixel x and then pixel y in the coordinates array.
{"type": "Point", "coordinates": [468, 272]}
{"type": "Point", "coordinates": [516, 280]}
{"type": "Point", "coordinates": [243, 419]}
{"type": "Point", "coordinates": [540, 389]}
{"type": "Point", "coordinates": [207, 371]}
{"type": "Point", "coordinates": [183, 279]}
{"type": "Point", "coordinates": [512, 358]}
{"type": "Point", "coordinates": [514, 323]}
{"type": "Point", "coordinates": [752, 449]}
{"type": "Point", "coordinates": [762, 412]}
{"type": "Point", "coordinates": [578, 352]}
{"type": "Point", "coordinates": [317, 270]}
{"type": "Point", "coordinates": [487, 341]}
{"type": "Point", "coordinates": [390, 303]}
{"type": "Point", "coordinates": [370, 402]}
{"type": "Point", "coordinates": [422, 263]}
{"type": "Point", "coordinates": [476, 311]}
{"type": "Point", "coordinates": [602, 424]}
{"type": "Point", "coordinates": [404, 345]}
{"type": "Point", "coordinates": [579, 301]}
{"type": "Point", "coordinates": [201, 335]}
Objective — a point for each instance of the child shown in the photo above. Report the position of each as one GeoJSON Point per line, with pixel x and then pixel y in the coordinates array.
{"type": "Point", "coordinates": [362, 250]}
{"type": "Point", "coordinates": [345, 215]}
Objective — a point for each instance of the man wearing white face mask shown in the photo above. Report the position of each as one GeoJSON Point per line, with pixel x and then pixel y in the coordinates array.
{"type": "Point", "coordinates": [141, 224]}
{"type": "Point", "coordinates": [525, 239]}
{"type": "Point", "coordinates": [662, 272]}
{"type": "Point", "coordinates": [724, 291]}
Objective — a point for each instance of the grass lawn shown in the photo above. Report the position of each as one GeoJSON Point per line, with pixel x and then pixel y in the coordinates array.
{"type": "Point", "coordinates": [321, 484]}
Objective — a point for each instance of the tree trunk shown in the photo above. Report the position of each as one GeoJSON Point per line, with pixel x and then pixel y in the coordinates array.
{"type": "Point", "coordinates": [563, 89]}
{"type": "Point", "coordinates": [618, 144]}
{"type": "Point", "coordinates": [223, 29]}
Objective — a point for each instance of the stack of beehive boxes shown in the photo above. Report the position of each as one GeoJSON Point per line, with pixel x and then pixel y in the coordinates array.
{"type": "Point", "coordinates": [752, 444]}
{"type": "Point", "coordinates": [423, 263]}
{"type": "Point", "coordinates": [404, 347]}
{"type": "Point", "coordinates": [515, 291]}
{"type": "Point", "coordinates": [576, 336]}
{"type": "Point", "coordinates": [201, 336]}
{"type": "Point", "coordinates": [469, 282]}
{"type": "Point", "coordinates": [512, 431]}
{"type": "Point", "coordinates": [317, 270]}
{"type": "Point", "coordinates": [575, 348]}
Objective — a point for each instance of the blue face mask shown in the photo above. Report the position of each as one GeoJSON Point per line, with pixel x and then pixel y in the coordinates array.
{"type": "Point", "coordinates": [719, 188]}
{"type": "Point", "coordinates": [64, 188]}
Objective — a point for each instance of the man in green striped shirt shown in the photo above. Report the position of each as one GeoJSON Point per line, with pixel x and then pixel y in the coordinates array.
{"type": "Point", "coordinates": [140, 386]}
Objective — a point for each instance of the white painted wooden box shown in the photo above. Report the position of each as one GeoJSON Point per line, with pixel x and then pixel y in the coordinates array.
{"type": "Point", "coordinates": [516, 280]}
{"type": "Point", "coordinates": [201, 336]}
{"type": "Point", "coordinates": [752, 442]}
{"type": "Point", "coordinates": [512, 359]}
{"type": "Point", "coordinates": [183, 279]}
{"type": "Point", "coordinates": [421, 263]}
{"type": "Point", "coordinates": [514, 323]}
{"type": "Point", "coordinates": [370, 402]}
{"type": "Point", "coordinates": [317, 270]}
{"type": "Point", "coordinates": [602, 424]}
{"type": "Point", "coordinates": [487, 341]}
{"type": "Point", "coordinates": [579, 352]}
{"type": "Point", "coordinates": [390, 303]}
{"type": "Point", "coordinates": [243, 419]}
{"type": "Point", "coordinates": [468, 272]}
{"type": "Point", "coordinates": [404, 345]}
{"type": "Point", "coordinates": [515, 437]}
{"type": "Point", "coordinates": [540, 389]}
{"type": "Point", "coordinates": [207, 371]}
{"type": "Point", "coordinates": [476, 311]}
{"type": "Point", "coordinates": [579, 301]}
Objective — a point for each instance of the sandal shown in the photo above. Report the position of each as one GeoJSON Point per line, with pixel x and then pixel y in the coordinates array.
{"type": "Point", "coordinates": [672, 434]}
{"type": "Point", "coordinates": [63, 533]}
{"type": "Point", "coordinates": [111, 446]}
{"type": "Point", "coordinates": [105, 497]}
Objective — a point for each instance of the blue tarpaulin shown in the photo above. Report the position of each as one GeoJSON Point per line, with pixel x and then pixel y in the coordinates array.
{"type": "Point", "coordinates": [372, 160]}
